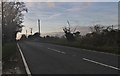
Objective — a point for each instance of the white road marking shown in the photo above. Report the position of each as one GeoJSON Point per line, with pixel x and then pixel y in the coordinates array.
{"type": "Point", "coordinates": [24, 61]}
{"type": "Point", "coordinates": [57, 51]}
{"type": "Point", "coordinates": [101, 64]}
{"type": "Point", "coordinates": [63, 52]}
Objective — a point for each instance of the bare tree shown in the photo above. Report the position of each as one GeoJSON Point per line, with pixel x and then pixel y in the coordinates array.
{"type": "Point", "coordinates": [96, 28]}
{"type": "Point", "coordinates": [69, 34]}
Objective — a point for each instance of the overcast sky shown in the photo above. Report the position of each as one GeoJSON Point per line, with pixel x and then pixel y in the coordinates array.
{"type": "Point", "coordinates": [54, 15]}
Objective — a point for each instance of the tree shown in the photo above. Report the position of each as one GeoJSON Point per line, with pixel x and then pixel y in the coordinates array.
{"type": "Point", "coordinates": [97, 28]}
{"type": "Point", "coordinates": [68, 34]}
{"type": "Point", "coordinates": [12, 13]}
{"type": "Point", "coordinates": [71, 36]}
{"type": "Point", "coordinates": [76, 34]}
{"type": "Point", "coordinates": [23, 37]}
{"type": "Point", "coordinates": [36, 35]}
{"type": "Point", "coordinates": [101, 35]}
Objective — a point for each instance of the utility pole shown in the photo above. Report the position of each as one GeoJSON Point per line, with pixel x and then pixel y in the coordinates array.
{"type": "Point", "coordinates": [31, 31]}
{"type": "Point", "coordinates": [39, 26]}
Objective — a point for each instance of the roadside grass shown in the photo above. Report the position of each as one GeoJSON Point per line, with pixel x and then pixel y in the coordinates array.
{"type": "Point", "coordinates": [11, 60]}
{"type": "Point", "coordinates": [8, 50]}
{"type": "Point", "coordinates": [77, 44]}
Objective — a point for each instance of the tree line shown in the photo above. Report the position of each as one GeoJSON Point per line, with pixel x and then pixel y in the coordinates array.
{"type": "Point", "coordinates": [100, 38]}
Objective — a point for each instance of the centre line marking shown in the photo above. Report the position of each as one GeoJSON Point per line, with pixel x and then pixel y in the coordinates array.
{"type": "Point", "coordinates": [63, 52]}
{"type": "Point", "coordinates": [57, 51]}
{"type": "Point", "coordinates": [101, 64]}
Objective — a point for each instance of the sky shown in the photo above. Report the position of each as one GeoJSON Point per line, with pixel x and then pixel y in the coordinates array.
{"type": "Point", "coordinates": [54, 15]}
{"type": "Point", "coordinates": [65, 0]}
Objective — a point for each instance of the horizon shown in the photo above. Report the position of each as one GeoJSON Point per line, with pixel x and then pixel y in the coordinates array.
{"type": "Point", "coordinates": [54, 15]}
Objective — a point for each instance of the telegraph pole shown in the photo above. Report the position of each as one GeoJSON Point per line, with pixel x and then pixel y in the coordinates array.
{"type": "Point", "coordinates": [39, 26]}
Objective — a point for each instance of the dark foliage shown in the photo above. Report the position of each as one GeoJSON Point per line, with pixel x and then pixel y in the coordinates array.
{"type": "Point", "coordinates": [12, 18]}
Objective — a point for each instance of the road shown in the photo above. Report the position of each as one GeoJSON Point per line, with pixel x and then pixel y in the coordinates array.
{"type": "Point", "coordinates": [44, 58]}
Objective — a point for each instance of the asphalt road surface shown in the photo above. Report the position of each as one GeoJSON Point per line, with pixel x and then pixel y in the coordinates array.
{"type": "Point", "coordinates": [44, 58]}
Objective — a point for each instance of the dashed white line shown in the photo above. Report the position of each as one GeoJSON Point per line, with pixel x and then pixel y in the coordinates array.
{"type": "Point", "coordinates": [57, 51]}
{"type": "Point", "coordinates": [63, 52]}
{"type": "Point", "coordinates": [89, 60]}
{"type": "Point", "coordinates": [101, 64]}
{"type": "Point", "coordinates": [24, 61]}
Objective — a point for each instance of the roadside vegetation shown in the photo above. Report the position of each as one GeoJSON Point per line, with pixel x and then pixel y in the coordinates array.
{"type": "Point", "coordinates": [101, 38]}
{"type": "Point", "coordinates": [9, 50]}
{"type": "Point", "coordinates": [12, 19]}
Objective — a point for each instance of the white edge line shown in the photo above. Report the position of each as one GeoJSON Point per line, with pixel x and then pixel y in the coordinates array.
{"type": "Point", "coordinates": [101, 64]}
{"type": "Point", "coordinates": [24, 61]}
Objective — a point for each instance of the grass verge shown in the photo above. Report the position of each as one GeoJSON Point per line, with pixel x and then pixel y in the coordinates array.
{"type": "Point", "coordinates": [108, 49]}
{"type": "Point", "coordinates": [8, 50]}
{"type": "Point", "coordinates": [12, 63]}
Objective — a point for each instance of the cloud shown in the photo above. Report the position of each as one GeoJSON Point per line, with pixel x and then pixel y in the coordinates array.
{"type": "Point", "coordinates": [80, 7]}
{"type": "Point", "coordinates": [74, 9]}
{"type": "Point", "coordinates": [83, 30]}
{"type": "Point", "coordinates": [54, 15]}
